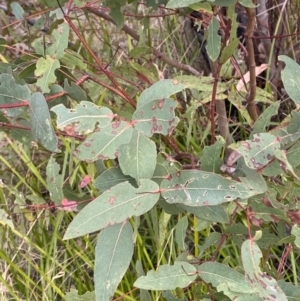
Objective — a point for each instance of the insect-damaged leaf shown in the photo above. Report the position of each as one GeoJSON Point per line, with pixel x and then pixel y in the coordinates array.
{"type": "Point", "coordinates": [160, 90]}
{"type": "Point", "coordinates": [156, 116]}
{"type": "Point", "coordinates": [261, 150]}
{"type": "Point", "coordinates": [168, 277]}
{"type": "Point", "coordinates": [83, 118]}
{"type": "Point", "coordinates": [226, 279]}
{"type": "Point", "coordinates": [266, 286]}
{"type": "Point", "coordinates": [113, 254]}
{"type": "Point", "coordinates": [199, 188]}
{"type": "Point", "coordinates": [105, 143]}
{"type": "Point", "coordinates": [114, 206]}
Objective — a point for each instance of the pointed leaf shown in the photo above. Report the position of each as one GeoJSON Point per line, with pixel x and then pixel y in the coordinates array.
{"type": "Point", "coordinates": [291, 78]}
{"type": "Point", "coordinates": [156, 116]}
{"type": "Point", "coordinates": [198, 188]}
{"type": "Point", "coordinates": [264, 119]}
{"type": "Point", "coordinates": [54, 181]}
{"type": "Point", "coordinates": [113, 254]}
{"type": "Point", "coordinates": [168, 277]}
{"type": "Point", "coordinates": [138, 158]}
{"type": "Point", "coordinates": [114, 206]}
{"type": "Point", "coordinates": [105, 143]}
{"type": "Point", "coordinates": [84, 118]}
{"type": "Point", "coordinates": [74, 296]}
{"type": "Point", "coordinates": [180, 232]}
{"type": "Point", "coordinates": [17, 10]}
{"type": "Point", "coordinates": [266, 287]}
{"type": "Point", "coordinates": [213, 46]}
{"type": "Point", "coordinates": [40, 119]}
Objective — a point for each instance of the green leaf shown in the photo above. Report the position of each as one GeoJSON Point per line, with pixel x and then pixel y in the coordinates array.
{"type": "Point", "coordinates": [113, 254]}
{"type": "Point", "coordinates": [204, 84]}
{"type": "Point", "coordinates": [74, 296]}
{"type": "Point", "coordinates": [247, 3]}
{"type": "Point", "coordinates": [160, 90]}
{"type": "Point", "coordinates": [261, 150]}
{"type": "Point", "coordinates": [211, 156]}
{"type": "Point", "coordinates": [291, 78]}
{"type": "Point", "coordinates": [105, 144]}
{"type": "Point", "coordinates": [4, 219]}
{"type": "Point", "coordinates": [11, 93]}
{"type": "Point", "coordinates": [110, 178]}
{"type": "Point", "coordinates": [266, 287]}
{"type": "Point", "coordinates": [180, 232]}
{"type": "Point", "coordinates": [157, 116]}
{"type": "Point", "coordinates": [226, 279]}
{"type": "Point", "coordinates": [291, 291]}
{"type": "Point", "coordinates": [209, 213]}
{"type": "Point", "coordinates": [72, 59]}
{"type": "Point", "coordinates": [212, 239]}
{"type": "Point", "coordinates": [264, 119]}
{"type": "Point", "coordinates": [74, 91]}
{"type": "Point", "coordinates": [180, 3]}
{"type": "Point", "coordinates": [40, 119]}
{"type": "Point", "coordinates": [54, 181]}
{"type": "Point", "coordinates": [46, 68]}
{"type": "Point", "coordinates": [213, 46]}
{"type": "Point", "coordinates": [114, 206]}
{"type": "Point", "coordinates": [84, 118]}
{"type": "Point", "coordinates": [17, 10]}
{"type": "Point", "coordinates": [199, 188]}
{"type": "Point", "coordinates": [61, 35]}
{"type": "Point", "coordinates": [138, 158]}
{"type": "Point", "coordinates": [168, 277]}
{"type": "Point", "coordinates": [296, 232]}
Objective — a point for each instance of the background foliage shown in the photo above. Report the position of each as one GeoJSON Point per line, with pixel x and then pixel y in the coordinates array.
{"type": "Point", "coordinates": [133, 169]}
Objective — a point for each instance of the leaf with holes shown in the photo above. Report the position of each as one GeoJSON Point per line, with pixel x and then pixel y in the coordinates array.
{"type": "Point", "coordinates": [199, 188]}
{"type": "Point", "coordinates": [160, 90]}
{"type": "Point", "coordinates": [105, 143]}
{"type": "Point", "coordinates": [114, 206]}
{"type": "Point", "coordinates": [41, 126]}
{"type": "Point", "coordinates": [138, 158]}
{"type": "Point", "coordinates": [113, 254]}
{"type": "Point", "coordinates": [156, 116]}
{"type": "Point", "coordinates": [261, 150]}
{"type": "Point", "coordinates": [266, 286]}
{"type": "Point", "coordinates": [45, 69]}
{"type": "Point", "coordinates": [84, 118]}
{"type": "Point", "coordinates": [168, 277]}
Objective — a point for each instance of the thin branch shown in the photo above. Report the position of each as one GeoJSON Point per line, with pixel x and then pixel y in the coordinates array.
{"type": "Point", "coordinates": [136, 36]}
{"type": "Point", "coordinates": [251, 61]}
